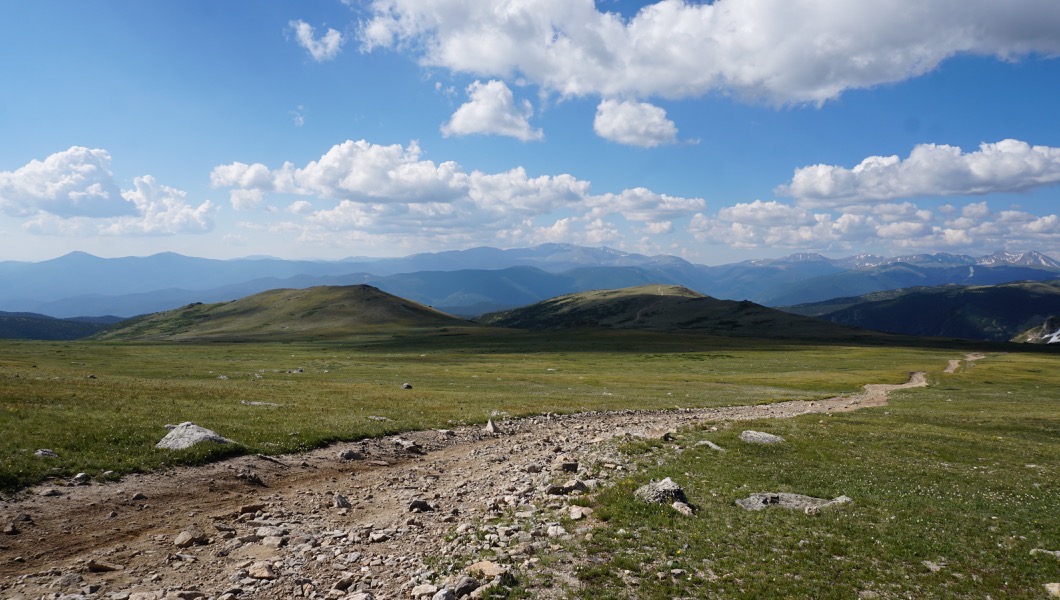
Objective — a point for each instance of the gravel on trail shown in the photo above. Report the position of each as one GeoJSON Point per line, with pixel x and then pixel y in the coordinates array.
{"type": "Point", "coordinates": [429, 514]}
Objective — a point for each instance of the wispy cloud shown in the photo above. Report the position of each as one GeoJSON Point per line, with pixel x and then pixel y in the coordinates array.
{"type": "Point", "coordinates": [326, 47]}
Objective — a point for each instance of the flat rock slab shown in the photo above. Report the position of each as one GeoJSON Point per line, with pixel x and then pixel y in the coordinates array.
{"type": "Point", "coordinates": [808, 504]}
{"type": "Point", "coordinates": [188, 434]}
{"type": "Point", "coordinates": [759, 437]}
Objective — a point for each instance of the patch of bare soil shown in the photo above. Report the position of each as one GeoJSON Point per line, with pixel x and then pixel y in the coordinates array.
{"type": "Point", "coordinates": [397, 517]}
{"type": "Point", "coordinates": [955, 364]}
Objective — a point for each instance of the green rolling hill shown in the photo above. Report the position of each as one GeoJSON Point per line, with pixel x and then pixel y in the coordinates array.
{"type": "Point", "coordinates": [668, 308]}
{"type": "Point", "coordinates": [325, 312]}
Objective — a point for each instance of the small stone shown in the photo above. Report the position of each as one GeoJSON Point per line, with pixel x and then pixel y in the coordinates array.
{"type": "Point", "coordinates": [492, 428]}
{"type": "Point", "coordinates": [682, 508]}
{"type": "Point", "coordinates": [409, 446]}
{"type": "Point", "coordinates": [424, 590]}
{"type": "Point", "coordinates": [758, 437]}
{"type": "Point", "coordinates": [10, 529]}
{"type": "Point", "coordinates": [406, 386]}
{"type": "Point", "coordinates": [488, 569]}
{"type": "Point", "coordinates": [568, 466]}
{"type": "Point", "coordinates": [444, 594]}
{"type": "Point", "coordinates": [340, 501]}
{"type": "Point", "coordinates": [48, 492]}
{"type": "Point", "coordinates": [420, 506]}
{"type": "Point", "coordinates": [711, 445]}
{"type": "Point", "coordinates": [81, 479]}
{"type": "Point", "coordinates": [250, 508]}
{"type": "Point", "coordinates": [99, 566]}
{"type": "Point", "coordinates": [261, 570]}
{"type": "Point", "coordinates": [377, 536]}
{"type": "Point", "coordinates": [464, 585]}
{"type": "Point", "coordinates": [189, 538]}
{"type": "Point", "coordinates": [138, 496]}
{"type": "Point", "coordinates": [556, 531]}
{"type": "Point", "coordinates": [345, 583]}
{"type": "Point", "coordinates": [360, 596]}
{"type": "Point", "coordinates": [578, 513]}
{"type": "Point", "coordinates": [1053, 589]}
{"type": "Point", "coordinates": [576, 485]}
{"type": "Point", "coordinates": [45, 453]}
{"type": "Point", "coordinates": [1053, 553]}
{"type": "Point", "coordinates": [933, 566]}
{"type": "Point", "coordinates": [350, 455]}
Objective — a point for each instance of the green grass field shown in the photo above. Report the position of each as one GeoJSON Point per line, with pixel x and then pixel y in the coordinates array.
{"type": "Point", "coordinates": [325, 392]}
{"type": "Point", "coordinates": [953, 485]}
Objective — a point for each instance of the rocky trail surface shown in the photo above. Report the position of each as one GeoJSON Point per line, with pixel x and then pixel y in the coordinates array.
{"type": "Point", "coordinates": [430, 514]}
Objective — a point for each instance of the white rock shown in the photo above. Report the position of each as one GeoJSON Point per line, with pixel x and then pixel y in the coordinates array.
{"type": "Point", "coordinates": [758, 437]}
{"type": "Point", "coordinates": [188, 434]}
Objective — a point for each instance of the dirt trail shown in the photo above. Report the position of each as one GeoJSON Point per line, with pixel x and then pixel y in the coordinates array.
{"type": "Point", "coordinates": [955, 364]}
{"type": "Point", "coordinates": [486, 494]}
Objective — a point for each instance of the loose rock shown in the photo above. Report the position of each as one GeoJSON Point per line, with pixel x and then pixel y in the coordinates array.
{"type": "Point", "coordinates": [808, 504]}
{"type": "Point", "coordinates": [661, 492]}
{"type": "Point", "coordinates": [100, 566]}
{"type": "Point", "coordinates": [261, 570]}
{"type": "Point", "coordinates": [759, 437]}
{"type": "Point", "coordinates": [188, 434]}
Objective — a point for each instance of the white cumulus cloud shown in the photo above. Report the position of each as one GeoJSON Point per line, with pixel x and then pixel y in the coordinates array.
{"type": "Point", "coordinates": [363, 191]}
{"type": "Point", "coordinates": [634, 124]}
{"type": "Point", "coordinates": [780, 51]}
{"type": "Point", "coordinates": [326, 47]}
{"type": "Point", "coordinates": [73, 192]}
{"type": "Point", "coordinates": [72, 183]}
{"type": "Point", "coordinates": [491, 109]}
{"type": "Point", "coordinates": [930, 170]}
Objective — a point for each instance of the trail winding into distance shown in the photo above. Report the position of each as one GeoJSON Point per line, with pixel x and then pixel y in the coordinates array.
{"type": "Point", "coordinates": [470, 476]}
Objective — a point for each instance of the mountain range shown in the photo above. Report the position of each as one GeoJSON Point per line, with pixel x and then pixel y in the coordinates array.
{"type": "Point", "coordinates": [479, 280]}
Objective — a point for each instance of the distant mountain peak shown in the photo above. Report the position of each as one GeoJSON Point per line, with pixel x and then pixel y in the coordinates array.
{"type": "Point", "coordinates": [802, 257]}
{"type": "Point", "coordinates": [1028, 258]}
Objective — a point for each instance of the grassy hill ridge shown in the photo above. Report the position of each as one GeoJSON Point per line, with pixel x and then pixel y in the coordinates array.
{"type": "Point", "coordinates": [313, 313]}
{"type": "Point", "coordinates": [665, 308]}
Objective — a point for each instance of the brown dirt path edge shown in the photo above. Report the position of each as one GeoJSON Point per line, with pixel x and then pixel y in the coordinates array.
{"type": "Point", "coordinates": [470, 476]}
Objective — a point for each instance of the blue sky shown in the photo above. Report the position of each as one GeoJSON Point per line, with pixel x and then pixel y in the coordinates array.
{"type": "Point", "coordinates": [717, 132]}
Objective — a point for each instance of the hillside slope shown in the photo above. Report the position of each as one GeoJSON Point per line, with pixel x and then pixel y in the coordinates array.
{"type": "Point", "coordinates": [31, 326]}
{"type": "Point", "coordinates": [666, 308]}
{"type": "Point", "coordinates": [993, 312]}
{"type": "Point", "coordinates": [285, 314]}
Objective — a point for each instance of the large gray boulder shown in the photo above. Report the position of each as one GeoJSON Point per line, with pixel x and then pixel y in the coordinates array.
{"type": "Point", "coordinates": [188, 434]}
